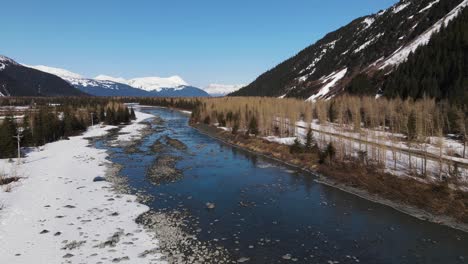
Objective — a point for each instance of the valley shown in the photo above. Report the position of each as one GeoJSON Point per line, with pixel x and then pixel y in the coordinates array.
{"type": "Point", "coordinates": [204, 132]}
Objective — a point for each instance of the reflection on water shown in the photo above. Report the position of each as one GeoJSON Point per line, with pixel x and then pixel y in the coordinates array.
{"type": "Point", "coordinates": [271, 213]}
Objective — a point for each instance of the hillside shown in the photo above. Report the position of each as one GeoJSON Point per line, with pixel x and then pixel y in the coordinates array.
{"type": "Point", "coordinates": [18, 80]}
{"type": "Point", "coordinates": [439, 69]}
{"type": "Point", "coordinates": [373, 45]}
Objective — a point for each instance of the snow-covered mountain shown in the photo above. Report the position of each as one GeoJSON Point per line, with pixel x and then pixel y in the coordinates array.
{"type": "Point", "coordinates": [103, 77]}
{"type": "Point", "coordinates": [149, 83]}
{"type": "Point", "coordinates": [216, 89]}
{"type": "Point", "coordinates": [373, 45]}
{"type": "Point", "coordinates": [104, 85]}
{"type": "Point", "coordinates": [18, 80]}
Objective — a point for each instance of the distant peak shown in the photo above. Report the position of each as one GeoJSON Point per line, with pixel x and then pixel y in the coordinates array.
{"type": "Point", "coordinates": [157, 83]}
{"type": "Point", "coordinates": [4, 61]}
{"type": "Point", "coordinates": [222, 89]}
{"type": "Point", "coordinates": [103, 77]}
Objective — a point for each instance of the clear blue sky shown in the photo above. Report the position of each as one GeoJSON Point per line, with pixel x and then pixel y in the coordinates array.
{"type": "Point", "coordinates": [204, 41]}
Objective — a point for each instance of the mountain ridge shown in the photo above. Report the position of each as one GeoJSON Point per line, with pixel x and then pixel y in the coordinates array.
{"type": "Point", "coordinates": [19, 80]}
{"type": "Point", "coordinates": [366, 45]}
{"type": "Point", "coordinates": [104, 85]}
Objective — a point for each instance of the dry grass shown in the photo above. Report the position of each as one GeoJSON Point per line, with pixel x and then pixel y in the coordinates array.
{"type": "Point", "coordinates": [6, 181]}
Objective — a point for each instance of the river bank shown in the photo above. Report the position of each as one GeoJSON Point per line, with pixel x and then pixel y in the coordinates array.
{"type": "Point", "coordinates": [384, 189]}
{"type": "Point", "coordinates": [65, 208]}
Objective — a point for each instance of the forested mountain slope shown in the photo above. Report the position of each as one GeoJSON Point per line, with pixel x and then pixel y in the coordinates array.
{"type": "Point", "coordinates": [368, 47]}
{"type": "Point", "coordinates": [439, 69]}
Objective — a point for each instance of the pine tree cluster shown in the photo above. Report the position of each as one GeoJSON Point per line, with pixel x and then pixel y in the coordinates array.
{"type": "Point", "coordinates": [42, 124]}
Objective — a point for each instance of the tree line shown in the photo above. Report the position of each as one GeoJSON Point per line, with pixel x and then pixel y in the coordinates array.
{"type": "Point", "coordinates": [41, 124]}
{"type": "Point", "coordinates": [416, 119]}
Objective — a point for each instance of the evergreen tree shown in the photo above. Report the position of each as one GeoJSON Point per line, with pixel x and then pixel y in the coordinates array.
{"type": "Point", "coordinates": [411, 133]}
{"type": "Point", "coordinates": [253, 126]}
{"type": "Point", "coordinates": [296, 147]}
{"type": "Point", "coordinates": [8, 147]}
{"type": "Point", "coordinates": [132, 114]}
{"type": "Point", "coordinates": [310, 142]}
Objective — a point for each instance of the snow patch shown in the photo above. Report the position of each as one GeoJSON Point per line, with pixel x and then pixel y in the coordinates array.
{"type": "Point", "coordinates": [428, 6]}
{"type": "Point", "coordinates": [331, 80]}
{"type": "Point", "coordinates": [399, 8]}
{"type": "Point", "coordinates": [285, 141]}
{"type": "Point", "coordinates": [367, 43]}
{"type": "Point", "coordinates": [368, 21]}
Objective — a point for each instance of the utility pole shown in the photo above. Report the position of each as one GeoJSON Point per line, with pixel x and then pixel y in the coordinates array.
{"type": "Point", "coordinates": [92, 119]}
{"type": "Point", "coordinates": [18, 139]}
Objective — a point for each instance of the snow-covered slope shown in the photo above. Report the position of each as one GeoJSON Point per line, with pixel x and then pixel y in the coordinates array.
{"type": "Point", "coordinates": [149, 83]}
{"type": "Point", "coordinates": [216, 89]}
{"type": "Point", "coordinates": [329, 81]}
{"type": "Point", "coordinates": [64, 74]}
{"type": "Point", "coordinates": [403, 52]}
{"type": "Point", "coordinates": [367, 45]}
{"type": "Point", "coordinates": [157, 83]}
{"type": "Point", "coordinates": [110, 78]}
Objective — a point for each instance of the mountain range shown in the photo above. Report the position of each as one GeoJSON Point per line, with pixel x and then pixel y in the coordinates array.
{"type": "Point", "coordinates": [18, 80]}
{"type": "Point", "coordinates": [24, 80]}
{"type": "Point", "coordinates": [367, 55]}
{"type": "Point", "coordinates": [104, 85]}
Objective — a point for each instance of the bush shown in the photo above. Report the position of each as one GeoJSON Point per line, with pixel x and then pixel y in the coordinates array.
{"type": "Point", "coordinates": [328, 154]}
{"type": "Point", "coordinates": [296, 148]}
{"type": "Point", "coordinates": [207, 120]}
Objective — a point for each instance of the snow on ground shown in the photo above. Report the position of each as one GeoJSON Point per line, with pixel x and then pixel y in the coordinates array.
{"type": "Point", "coordinates": [392, 149]}
{"type": "Point", "coordinates": [133, 131]}
{"type": "Point", "coordinates": [186, 112]}
{"type": "Point", "coordinates": [286, 141]}
{"type": "Point", "coordinates": [331, 80]}
{"type": "Point", "coordinates": [58, 214]}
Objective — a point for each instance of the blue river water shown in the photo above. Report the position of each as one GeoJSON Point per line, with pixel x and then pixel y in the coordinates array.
{"type": "Point", "coordinates": [271, 213]}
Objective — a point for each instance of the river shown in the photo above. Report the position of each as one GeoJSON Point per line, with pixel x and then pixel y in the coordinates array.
{"type": "Point", "coordinates": [266, 212]}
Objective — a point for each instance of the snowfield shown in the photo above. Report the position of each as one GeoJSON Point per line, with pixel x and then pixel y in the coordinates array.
{"type": "Point", "coordinates": [57, 214]}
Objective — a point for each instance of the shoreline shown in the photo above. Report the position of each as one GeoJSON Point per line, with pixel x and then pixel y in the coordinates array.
{"type": "Point", "coordinates": [60, 213]}
{"type": "Point", "coordinates": [177, 239]}
{"type": "Point", "coordinates": [407, 209]}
